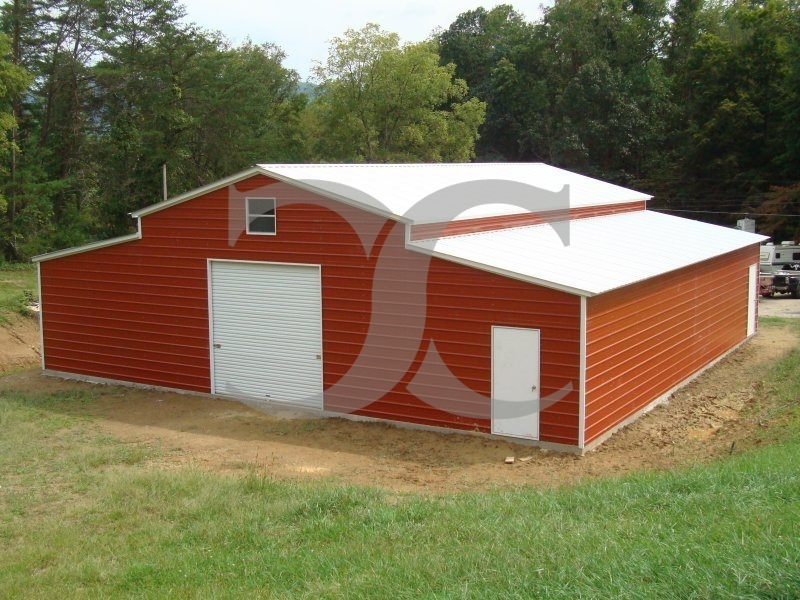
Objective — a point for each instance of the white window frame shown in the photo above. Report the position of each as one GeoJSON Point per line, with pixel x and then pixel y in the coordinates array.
{"type": "Point", "coordinates": [248, 216]}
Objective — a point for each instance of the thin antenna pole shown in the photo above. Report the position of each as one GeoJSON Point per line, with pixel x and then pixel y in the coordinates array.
{"type": "Point", "coordinates": [164, 175]}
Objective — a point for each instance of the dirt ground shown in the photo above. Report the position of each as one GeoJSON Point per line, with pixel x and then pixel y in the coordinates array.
{"type": "Point", "coordinates": [19, 343]}
{"type": "Point", "coordinates": [721, 409]}
{"type": "Point", "coordinates": [779, 306]}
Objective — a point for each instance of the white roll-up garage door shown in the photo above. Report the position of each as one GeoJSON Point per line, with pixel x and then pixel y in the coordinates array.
{"type": "Point", "coordinates": [266, 330]}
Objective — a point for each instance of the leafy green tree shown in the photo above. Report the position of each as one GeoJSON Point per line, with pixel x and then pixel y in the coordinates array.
{"type": "Point", "coordinates": [13, 81]}
{"type": "Point", "coordinates": [736, 100]}
{"type": "Point", "coordinates": [174, 95]}
{"type": "Point", "coordinates": [245, 109]}
{"type": "Point", "coordinates": [139, 116]}
{"type": "Point", "coordinates": [609, 91]}
{"type": "Point", "coordinates": [780, 208]}
{"type": "Point", "coordinates": [119, 88]}
{"type": "Point", "coordinates": [53, 40]}
{"type": "Point", "coordinates": [788, 160]}
{"type": "Point", "coordinates": [496, 53]}
{"type": "Point", "coordinates": [583, 88]}
{"type": "Point", "coordinates": [379, 102]}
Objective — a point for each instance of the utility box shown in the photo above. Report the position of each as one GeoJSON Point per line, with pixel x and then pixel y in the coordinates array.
{"type": "Point", "coordinates": [745, 224]}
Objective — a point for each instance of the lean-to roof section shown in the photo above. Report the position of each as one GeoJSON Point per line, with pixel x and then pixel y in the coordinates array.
{"type": "Point", "coordinates": [603, 253]}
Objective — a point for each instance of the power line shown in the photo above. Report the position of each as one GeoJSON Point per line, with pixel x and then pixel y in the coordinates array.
{"type": "Point", "coordinates": [717, 201]}
{"type": "Point", "coordinates": [720, 212]}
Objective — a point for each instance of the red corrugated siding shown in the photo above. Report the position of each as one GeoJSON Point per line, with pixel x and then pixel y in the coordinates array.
{"type": "Point", "coordinates": [463, 305]}
{"type": "Point", "coordinates": [430, 230]}
{"type": "Point", "coordinates": [644, 339]}
{"type": "Point", "coordinates": [139, 311]}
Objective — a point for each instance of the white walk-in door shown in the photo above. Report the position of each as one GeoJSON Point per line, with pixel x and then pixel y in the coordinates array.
{"type": "Point", "coordinates": [266, 331]}
{"type": "Point", "coordinates": [515, 382]}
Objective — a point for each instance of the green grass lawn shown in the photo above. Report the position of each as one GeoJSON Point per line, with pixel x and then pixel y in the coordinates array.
{"type": "Point", "coordinates": [83, 515]}
{"type": "Point", "coordinates": [17, 288]}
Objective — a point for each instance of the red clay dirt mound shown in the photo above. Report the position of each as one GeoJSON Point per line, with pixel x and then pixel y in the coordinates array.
{"type": "Point", "coordinates": [19, 343]}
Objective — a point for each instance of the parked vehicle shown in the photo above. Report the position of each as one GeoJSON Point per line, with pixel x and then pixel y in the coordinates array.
{"type": "Point", "coordinates": [776, 257]}
{"type": "Point", "coordinates": [784, 281]}
{"type": "Point", "coordinates": [766, 286]}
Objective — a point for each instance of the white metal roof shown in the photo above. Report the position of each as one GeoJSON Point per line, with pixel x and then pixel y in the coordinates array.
{"type": "Point", "coordinates": [604, 253]}
{"type": "Point", "coordinates": [396, 188]}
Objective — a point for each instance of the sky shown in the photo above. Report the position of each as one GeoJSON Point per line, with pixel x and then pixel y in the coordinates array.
{"type": "Point", "coordinates": [302, 28]}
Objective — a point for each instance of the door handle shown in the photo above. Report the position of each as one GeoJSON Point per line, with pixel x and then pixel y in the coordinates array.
{"type": "Point", "coordinates": [217, 345]}
{"type": "Point", "coordinates": [533, 388]}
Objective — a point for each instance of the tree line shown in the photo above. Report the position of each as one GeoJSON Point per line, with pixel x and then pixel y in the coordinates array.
{"type": "Point", "coordinates": [695, 102]}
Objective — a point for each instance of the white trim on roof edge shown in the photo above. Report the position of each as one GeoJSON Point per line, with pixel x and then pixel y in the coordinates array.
{"type": "Point", "coordinates": [299, 183]}
{"type": "Point", "coordinates": [215, 185]}
{"type": "Point", "coordinates": [91, 246]}
{"type": "Point", "coordinates": [146, 211]}
{"type": "Point", "coordinates": [41, 312]}
{"type": "Point", "coordinates": [536, 281]}
{"type": "Point", "coordinates": [257, 170]}
{"type": "Point", "coordinates": [582, 377]}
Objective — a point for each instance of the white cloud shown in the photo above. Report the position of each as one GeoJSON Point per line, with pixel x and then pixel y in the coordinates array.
{"type": "Point", "coordinates": [303, 28]}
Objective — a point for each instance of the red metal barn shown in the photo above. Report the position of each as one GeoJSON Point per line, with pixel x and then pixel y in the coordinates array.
{"type": "Point", "coordinates": [515, 299]}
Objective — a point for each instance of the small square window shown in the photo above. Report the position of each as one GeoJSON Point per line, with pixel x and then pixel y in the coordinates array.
{"type": "Point", "coordinates": [261, 216]}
